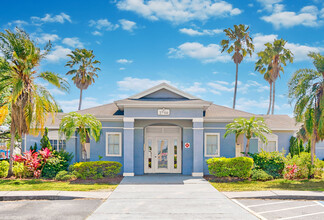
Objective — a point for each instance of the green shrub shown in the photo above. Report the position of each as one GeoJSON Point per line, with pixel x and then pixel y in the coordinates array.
{"type": "Point", "coordinates": [304, 166]}
{"type": "Point", "coordinates": [271, 162]}
{"type": "Point", "coordinates": [96, 169]}
{"type": "Point", "coordinates": [235, 167]}
{"type": "Point", "coordinates": [20, 170]}
{"type": "Point", "coordinates": [60, 161]}
{"type": "Point", "coordinates": [260, 175]}
{"type": "Point", "coordinates": [65, 176]}
{"type": "Point", "coordinates": [4, 168]}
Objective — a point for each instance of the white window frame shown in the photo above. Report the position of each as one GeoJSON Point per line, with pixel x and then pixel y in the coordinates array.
{"type": "Point", "coordinates": [270, 137]}
{"type": "Point", "coordinates": [205, 147]}
{"type": "Point", "coordinates": [120, 144]}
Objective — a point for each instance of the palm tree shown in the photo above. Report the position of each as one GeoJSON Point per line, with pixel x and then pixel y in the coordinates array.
{"type": "Point", "coordinates": [253, 127]}
{"type": "Point", "coordinates": [29, 101]}
{"type": "Point", "coordinates": [85, 125]}
{"type": "Point", "coordinates": [306, 88]}
{"type": "Point", "coordinates": [241, 46]}
{"type": "Point", "coordinates": [271, 62]}
{"type": "Point", "coordinates": [84, 75]}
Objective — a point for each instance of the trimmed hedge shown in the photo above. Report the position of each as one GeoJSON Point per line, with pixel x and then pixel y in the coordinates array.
{"type": "Point", "coordinates": [4, 168]}
{"type": "Point", "coordinates": [235, 167]}
{"type": "Point", "coordinates": [96, 169]}
{"type": "Point", "coordinates": [273, 163]}
{"type": "Point", "coordinates": [260, 175]}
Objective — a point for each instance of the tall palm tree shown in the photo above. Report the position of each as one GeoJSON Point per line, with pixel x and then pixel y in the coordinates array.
{"type": "Point", "coordinates": [271, 62]}
{"type": "Point", "coordinates": [253, 127]}
{"type": "Point", "coordinates": [29, 101]}
{"type": "Point", "coordinates": [241, 46]}
{"type": "Point", "coordinates": [84, 75]}
{"type": "Point", "coordinates": [306, 88]}
{"type": "Point", "coordinates": [85, 125]}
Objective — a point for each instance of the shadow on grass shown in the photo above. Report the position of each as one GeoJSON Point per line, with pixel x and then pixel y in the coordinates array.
{"type": "Point", "coordinates": [20, 182]}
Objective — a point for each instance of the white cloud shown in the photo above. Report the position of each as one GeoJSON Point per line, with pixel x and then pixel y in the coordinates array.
{"type": "Point", "coordinates": [137, 84]}
{"type": "Point", "coordinates": [72, 105]}
{"type": "Point", "coordinates": [59, 53]}
{"type": "Point", "coordinates": [122, 68]}
{"type": "Point", "coordinates": [96, 33]}
{"type": "Point", "coordinates": [300, 51]}
{"type": "Point", "coordinates": [268, 4]}
{"type": "Point", "coordinates": [60, 18]}
{"type": "Point", "coordinates": [207, 54]}
{"type": "Point", "coordinates": [44, 38]}
{"type": "Point", "coordinates": [73, 42]}
{"type": "Point", "coordinates": [222, 86]}
{"type": "Point", "coordinates": [179, 11]}
{"type": "Point", "coordinates": [192, 32]}
{"type": "Point", "coordinates": [103, 24]}
{"type": "Point", "coordinates": [195, 88]}
{"type": "Point", "coordinates": [56, 91]}
{"type": "Point", "coordinates": [252, 74]}
{"type": "Point", "coordinates": [124, 61]}
{"type": "Point", "coordinates": [308, 16]}
{"type": "Point", "coordinates": [18, 23]}
{"type": "Point", "coordinates": [127, 25]}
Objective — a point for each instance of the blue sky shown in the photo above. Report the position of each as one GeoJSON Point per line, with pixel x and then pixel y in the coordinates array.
{"type": "Point", "coordinates": [143, 43]}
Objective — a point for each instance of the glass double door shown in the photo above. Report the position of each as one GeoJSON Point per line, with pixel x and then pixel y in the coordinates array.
{"type": "Point", "coordinates": [162, 154]}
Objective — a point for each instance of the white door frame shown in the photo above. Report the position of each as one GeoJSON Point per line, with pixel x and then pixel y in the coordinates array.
{"type": "Point", "coordinates": [151, 149]}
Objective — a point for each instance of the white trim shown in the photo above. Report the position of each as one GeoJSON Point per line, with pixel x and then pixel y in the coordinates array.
{"type": "Point", "coordinates": [126, 119]}
{"type": "Point", "coordinates": [163, 86]}
{"type": "Point", "coordinates": [198, 120]}
{"type": "Point", "coordinates": [120, 144]}
{"type": "Point", "coordinates": [128, 128]}
{"type": "Point", "coordinates": [113, 127]}
{"type": "Point", "coordinates": [207, 128]}
{"type": "Point", "coordinates": [205, 144]}
{"type": "Point", "coordinates": [198, 128]}
{"type": "Point", "coordinates": [197, 174]}
{"type": "Point", "coordinates": [128, 174]}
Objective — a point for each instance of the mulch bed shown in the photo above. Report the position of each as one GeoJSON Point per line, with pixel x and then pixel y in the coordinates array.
{"type": "Point", "coordinates": [223, 179]}
{"type": "Point", "coordinates": [105, 180]}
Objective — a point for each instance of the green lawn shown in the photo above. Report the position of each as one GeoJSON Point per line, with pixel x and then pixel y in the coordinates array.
{"type": "Point", "coordinates": [29, 185]}
{"type": "Point", "coordinates": [279, 184]}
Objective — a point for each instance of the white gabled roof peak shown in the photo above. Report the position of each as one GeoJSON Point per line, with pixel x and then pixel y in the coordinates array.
{"type": "Point", "coordinates": [165, 86]}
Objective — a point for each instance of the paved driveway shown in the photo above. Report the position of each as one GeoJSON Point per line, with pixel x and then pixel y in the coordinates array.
{"type": "Point", "coordinates": [168, 197]}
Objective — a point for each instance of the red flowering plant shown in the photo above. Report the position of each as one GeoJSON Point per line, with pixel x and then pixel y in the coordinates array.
{"type": "Point", "coordinates": [291, 171]}
{"type": "Point", "coordinates": [34, 161]}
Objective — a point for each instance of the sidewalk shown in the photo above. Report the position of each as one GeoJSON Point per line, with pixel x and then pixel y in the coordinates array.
{"type": "Point", "coordinates": [52, 195]}
{"type": "Point", "coordinates": [276, 194]}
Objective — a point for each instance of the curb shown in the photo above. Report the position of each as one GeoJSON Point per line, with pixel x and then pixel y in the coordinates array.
{"type": "Point", "coordinates": [282, 197]}
{"type": "Point", "coordinates": [39, 197]}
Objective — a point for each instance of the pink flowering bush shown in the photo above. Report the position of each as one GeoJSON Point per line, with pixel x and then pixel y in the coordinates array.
{"type": "Point", "coordinates": [34, 161]}
{"type": "Point", "coordinates": [291, 171]}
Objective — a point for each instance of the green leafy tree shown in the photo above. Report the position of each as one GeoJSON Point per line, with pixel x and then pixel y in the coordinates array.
{"type": "Point", "coordinates": [253, 127]}
{"type": "Point", "coordinates": [240, 44]}
{"type": "Point", "coordinates": [84, 75]}
{"type": "Point", "coordinates": [306, 89]}
{"type": "Point", "coordinates": [45, 142]}
{"type": "Point", "coordinates": [270, 64]}
{"type": "Point", "coordinates": [30, 102]}
{"type": "Point", "coordinates": [85, 125]}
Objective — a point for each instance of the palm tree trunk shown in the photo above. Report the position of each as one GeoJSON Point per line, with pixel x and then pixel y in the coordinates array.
{"type": "Point", "coordinates": [274, 97]}
{"type": "Point", "coordinates": [270, 99]}
{"type": "Point", "coordinates": [80, 101]}
{"type": "Point", "coordinates": [247, 147]}
{"type": "Point", "coordinates": [313, 143]}
{"type": "Point", "coordinates": [83, 153]}
{"type": "Point", "coordinates": [12, 146]}
{"type": "Point", "coordinates": [235, 88]}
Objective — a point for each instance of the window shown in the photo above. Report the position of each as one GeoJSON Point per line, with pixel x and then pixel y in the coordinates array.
{"type": "Point", "coordinates": [58, 144]}
{"type": "Point", "coordinates": [270, 146]}
{"type": "Point", "coordinates": [113, 144]}
{"type": "Point", "coordinates": [212, 143]}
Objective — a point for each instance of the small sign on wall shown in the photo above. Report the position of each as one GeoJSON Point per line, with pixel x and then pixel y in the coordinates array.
{"type": "Point", "coordinates": [163, 111]}
{"type": "Point", "coordinates": [187, 145]}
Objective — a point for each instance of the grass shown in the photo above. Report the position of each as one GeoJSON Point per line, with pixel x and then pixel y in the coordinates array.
{"type": "Point", "coordinates": [278, 184]}
{"type": "Point", "coordinates": [36, 185]}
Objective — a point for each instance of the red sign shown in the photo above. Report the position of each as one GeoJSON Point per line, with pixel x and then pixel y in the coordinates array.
{"type": "Point", "coordinates": [187, 145]}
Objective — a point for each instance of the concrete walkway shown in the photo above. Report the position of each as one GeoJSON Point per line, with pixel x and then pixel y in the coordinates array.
{"type": "Point", "coordinates": [276, 194]}
{"type": "Point", "coordinates": [168, 197]}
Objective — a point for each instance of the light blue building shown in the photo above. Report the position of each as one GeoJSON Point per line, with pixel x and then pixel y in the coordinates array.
{"type": "Point", "coordinates": [165, 130]}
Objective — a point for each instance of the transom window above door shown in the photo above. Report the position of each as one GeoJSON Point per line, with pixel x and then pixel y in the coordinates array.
{"type": "Point", "coordinates": [113, 144]}
{"type": "Point", "coordinates": [212, 144]}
